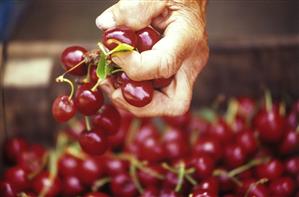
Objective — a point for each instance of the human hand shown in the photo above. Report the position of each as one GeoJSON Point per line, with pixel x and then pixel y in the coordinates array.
{"type": "Point", "coordinates": [182, 52]}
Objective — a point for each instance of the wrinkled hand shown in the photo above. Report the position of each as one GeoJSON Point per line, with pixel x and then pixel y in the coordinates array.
{"type": "Point", "coordinates": [182, 52]}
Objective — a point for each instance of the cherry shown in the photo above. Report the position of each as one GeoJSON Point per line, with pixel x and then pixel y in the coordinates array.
{"type": "Point", "coordinates": [18, 177]}
{"type": "Point", "coordinates": [71, 186]}
{"type": "Point", "coordinates": [162, 82]}
{"type": "Point", "coordinates": [44, 181]}
{"type": "Point", "coordinates": [292, 166]}
{"type": "Point", "coordinates": [209, 146]}
{"type": "Point", "coordinates": [121, 34]}
{"type": "Point", "coordinates": [238, 124]}
{"type": "Point", "coordinates": [247, 141]}
{"type": "Point", "coordinates": [269, 125]}
{"type": "Point", "coordinates": [171, 180]}
{"type": "Point", "coordinates": [88, 101]}
{"type": "Point", "coordinates": [290, 142]}
{"type": "Point", "coordinates": [147, 179]}
{"type": "Point", "coordinates": [72, 56]}
{"type": "Point", "coordinates": [150, 149]}
{"type": "Point", "coordinates": [13, 147]}
{"type": "Point", "coordinates": [138, 93]}
{"type": "Point", "coordinates": [115, 166]}
{"type": "Point", "coordinates": [122, 185]}
{"type": "Point", "coordinates": [271, 170]}
{"type": "Point", "coordinates": [68, 165]}
{"type": "Point", "coordinates": [107, 119]}
{"type": "Point", "coordinates": [225, 183]}
{"type": "Point", "coordinates": [147, 38]}
{"type": "Point", "coordinates": [146, 131]}
{"type": "Point", "coordinates": [93, 142]}
{"type": "Point", "coordinates": [220, 130]}
{"type": "Point", "coordinates": [89, 171]}
{"type": "Point", "coordinates": [63, 108]}
{"type": "Point", "coordinates": [258, 191]}
{"type": "Point", "coordinates": [178, 121]}
{"type": "Point", "coordinates": [150, 192]}
{"type": "Point", "coordinates": [119, 79]}
{"type": "Point", "coordinates": [168, 193]}
{"type": "Point", "coordinates": [246, 107]}
{"type": "Point", "coordinates": [7, 189]}
{"type": "Point", "coordinates": [283, 186]}
{"type": "Point", "coordinates": [209, 185]}
{"type": "Point", "coordinates": [204, 166]}
{"type": "Point", "coordinates": [95, 194]}
{"type": "Point", "coordinates": [93, 77]}
{"type": "Point", "coordinates": [234, 155]}
{"type": "Point", "coordinates": [203, 194]}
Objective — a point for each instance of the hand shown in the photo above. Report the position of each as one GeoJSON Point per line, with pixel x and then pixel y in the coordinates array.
{"type": "Point", "coordinates": [182, 52]}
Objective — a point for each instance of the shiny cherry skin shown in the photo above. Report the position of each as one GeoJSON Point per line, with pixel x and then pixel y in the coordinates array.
{"type": "Point", "coordinates": [271, 170]}
{"type": "Point", "coordinates": [108, 119]}
{"type": "Point", "coordinates": [63, 108]}
{"type": "Point", "coordinates": [249, 186]}
{"type": "Point", "coordinates": [89, 171]}
{"type": "Point", "coordinates": [209, 146]}
{"type": "Point", "coordinates": [147, 38]}
{"type": "Point", "coordinates": [68, 165]}
{"type": "Point", "coordinates": [138, 93]}
{"type": "Point", "coordinates": [44, 180]}
{"type": "Point", "coordinates": [88, 102]}
{"type": "Point", "coordinates": [269, 125]}
{"type": "Point", "coordinates": [209, 185]}
{"type": "Point", "coordinates": [204, 166]}
{"type": "Point", "coordinates": [147, 179]}
{"type": "Point", "coordinates": [292, 165]}
{"type": "Point", "coordinates": [122, 185]}
{"type": "Point", "coordinates": [93, 142]}
{"type": "Point", "coordinates": [95, 194]}
{"type": "Point", "coordinates": [121, 34]}
{"type": "Point", "coordinates": [119, 79]}
{"type": "Point", "coordinates": [161, 82]}
{"type": "Point", "coordinates": [73, 55]}
{"type": "Point", "coordinates": [93, 77]}
{"type": "Point", "coordinates": [7, 190]}
{"type": "Point", "coordinates": [290, 142]}
{"type": "Point", "coordinates": [71, 186]}
{"type": "Point", "coordinates": [246, 106]}
{"type": "Point", "coordinates": [178, 121]}
{"type": "Point", "coordinates": [150, 149]}
{"type": "Point", "coordinates": [234, 155]}
{"type": "Point", "coordinates": [247, 140]}
{"type": "Point", "coordinates": [283, 186]}
{"type": "Point", "coordinates": [146, 131]}
{"type": "Point", "coordinates": [168, 193]}
{"type": "Point", "coordinates": [13, 147]}
{"type": "Point", "coordinates": [18, 177]}
{"type": "Point", "coordinates": [220, 130]}
{"type": "Point", "coordinates": [114, 166]}
{"type": "Point", "coordinates": [150, 192]}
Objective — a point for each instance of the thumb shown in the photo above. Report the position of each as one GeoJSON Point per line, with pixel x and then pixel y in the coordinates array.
{"type": "Point", "coordinates": [133, 14]}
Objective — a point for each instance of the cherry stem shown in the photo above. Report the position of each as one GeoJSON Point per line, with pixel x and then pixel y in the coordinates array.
{"type": "Point", "coordinates": [22, 195]}
{"type": "Point", "coordinates": [181, 175]}
{"type": "Point", "coordinates": [100, 183]}
{"type": "Point", "coordinates": [231, 111]}
{"type": "Point", "coordinates": [220, 172]}
{"type": "Point", "coordinates": [134, 177]}
{"type": "Point", "coordinates": [116, 71]}
{"type": "Point", "coordinates": [87, 78]}
{"type": "Point", "coordinates": [253, 185]}
{"type": "Point", "coordinates": [282, 108]}
{"type": "Point", "coordinates": [87, 122]}
{"type": "Point", "coordinates": [190, 179]}
{"type": "Point", "coordinates": [75, 150]}
{"type": "Point", "coordinates": [247, 166]}
{"type": "Point", "coordinates": [103, 49]}
{"type": "Point", "coordinates": [94, 88]}
{"type": "Point", "coordinates": [40, 168]}
{"type": "Point", "coordinates": [268, 100]}
{"type": "Point", "coordinates": [61, 79]}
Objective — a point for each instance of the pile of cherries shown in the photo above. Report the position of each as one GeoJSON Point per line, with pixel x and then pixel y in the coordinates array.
{"type": "Point", "coordinates": [89, 69]}
{"type": "Point", "coordinates": [249, 150]}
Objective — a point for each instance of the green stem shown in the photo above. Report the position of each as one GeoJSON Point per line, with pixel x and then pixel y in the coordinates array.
{"type": "Point", "coordinates": [268, 100]}
{"type": "Point", "coordinates": [181, 175]}
{"type": "Point", "coordinates": [103, 49]}
{"type": "Point", "coordinates": [134, 177]}
{"type": "Point", "coordinates": [247, 166]}
{"type": "Point", "coordinates": [231, 111]}
{"type": "Point", "coordinates": [87, 122]}
{"type": "Point", "coordinates": [87, 78]}
{"type": "Point", "coordinates": [94, 88]}
{"type": "Point", "coordinates": [116, 71]}
{"type": "Point", "coordinates": [190, 179]}
{"type": "Point", "coordinates": [253, 185]}
{"type": "Point", "coordinates": [61, 79]}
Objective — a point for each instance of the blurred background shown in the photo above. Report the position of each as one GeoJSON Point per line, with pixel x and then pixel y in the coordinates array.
{"type": "Point", "coordinates": [254, 45]}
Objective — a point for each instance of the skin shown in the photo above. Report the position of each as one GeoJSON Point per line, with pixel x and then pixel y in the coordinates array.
{"type": "Point", "coordinates": [182, 52]}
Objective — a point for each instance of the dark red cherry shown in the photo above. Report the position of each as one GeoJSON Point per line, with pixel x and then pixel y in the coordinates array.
{"type": "Point", "coordinates": [246, 107]}
{"type": "Point", "coordinates": [7, 190]}
{"type": "Point", "coordinates": [17, 177]}
{"type": "Point", "coordinates": [13, 147]}
{"type": "Point", "coordinates": [161, 82]}
{"type": "Point", "coordinates": [178, 121]}
{"type": "Point", "coordinates": [119, 79]}
{"type": "Point", "coordinates": [93, 142]}
{"type": "Point", "coordinates": [209, 185]}
{"type": "Point", "coordinates": [114, 166]}
{"type": "Point", "coordinates": [95, 194]}
{"type": "Point", "coordinates": [204, 166]}
{"type": "Point", "coordinates": [108, 119]}
{"type": "Point", "coordinates": [150, 192]}
{"type": "Point", "coordinates": [93, 77]}
{"type": "Point", "coordinates": [271, 170]}
{"type": "Point", "coordinates": [89, 171]}
{"type": "Point", "coordinates": [146, 131]}
{"type": "Point", "coordinates": [87, 101]}
{"type": "Point", "coordinates": [148, 179]}
{"type": "Point", "coordinates": [73, 55]}
{"type": "Point", "coordinates": [209, 146]}
{"type": "Point", "coordinates": [44, 180]}
{"type": "Point", "coordinates": [122, 185]}
{"type": "Point", "coordinates": [63, 108]}
{"type": "Point", "coordinates": [220, 130]}
{"type": "Point", "coordinates": [147, 38]}
{"type": "Point", "coordinates": [290, 142]}
{"type": "Point", "coordinates": [138, 93]}
{"type": "Point", "coordinates": [283, 186]}
{"type": "Point", "coordinates": [168, 193]}
{"type": "Point", "coordinates": [234, 155]}
{"type": "Point", "coordinates": [150, 149]}
{"type": "Point", "coordinates": [246, 139]}
{"type": "Point", "coordinates": [269, 125]}
{"type": "Point", "coordinates": [68, 165]}
{"type": "Point", "coordinates": [292, 166]}
{"type": "Point", "coordinates": [121, 34]}
{"type": "Point", "coordinates": [258, 191]}
{"type": "Point", "coordinates": [71, 186]}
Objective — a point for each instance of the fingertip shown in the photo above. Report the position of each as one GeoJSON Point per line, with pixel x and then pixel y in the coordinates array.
{"type": "Point", "coordinates": [106, 20]}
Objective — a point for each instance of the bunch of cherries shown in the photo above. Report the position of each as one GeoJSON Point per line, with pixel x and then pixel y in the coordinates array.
{"type": "Point", "coordinates": [249, 150]}
{"type": "Point", "coordinates": [90, 68]}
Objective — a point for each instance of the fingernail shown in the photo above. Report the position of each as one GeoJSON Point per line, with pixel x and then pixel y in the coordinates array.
{"type": "Point", "coordinates": [105, 20]}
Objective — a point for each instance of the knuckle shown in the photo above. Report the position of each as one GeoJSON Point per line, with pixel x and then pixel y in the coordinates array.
{"type": "Point", "coordinates": [167, 65]}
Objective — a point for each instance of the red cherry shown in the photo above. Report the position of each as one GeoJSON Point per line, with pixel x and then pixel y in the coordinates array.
{"type": "Point", "coordinates": [95, 194]}
{"type": "Point", "coordinates": [13, 147]}
{"type": "Point", "coordinates": [246, 107]}
{"type": "Point", "coordinates": [71, 186]}
{"type": "Point", "coordinates": [146, 131]}
{"type": "Point", "coordinates": [209, 185]}
{"type": "Point", "coordinates": [150, 149]}
{"type": "Point", "coordinates": [168, 193]}
{"type": "Point", "coordinates": [258, 190]}
{"type": "Point", "coordinates": [73, 55]}
{"type": "Point", "coordinates": [107, 119]}
{"type": "Point", "coordinates": [18, 178]}
{"type": "Point", "coordinates": [93, 74]}
{"type": "Point", "coordinates": [122, 185]}
{"type": "Point", "coordinates": [178, 121]}
{"type": "Point", "coordinates": [87, 101]}
{"type": "Point", "coordinates": [283, 186]}
{"type": "Point", "coordinates": [115, 166]}
{"type": "Point", "coordinates": [234, 155]}
{"type": "Point", "coordinates": [220, 130]}
{"type": "Point", "coordinates": [290, 142]}
{"type": "Point", "coordinates": [7, 190]}
{"type": "Point", "coordinates": [150, 192]}
{"type": "Point", "coordinates": [63, 108]}
{"type": "Point", "coordinates": [89, 171]}
{"type": "Point", "coordinates": [162, 82]}
{"type": "Point", "coordinates": [292, 166]}
{"type": "Point", "coordinates": [147, 38]}
{"type": "Point", "coordinates": [93, 142]}
{"type": "Point", "coordinates": [68, 165]}
{"type": "Point", "coordinates": [44, 180]}
{"type": "Point", "coordinates": [209, 146]}
{"type": "Point", "coordinates": [138, 93]}
{"type": "Point", "coordinates": [247, 141]}
{"type": "Point", "coordinates": [121, 34]}
{"type": "Point", "coordinates": [119, 79]}
{"type": "Point", "coordinates": [147, 179]}
{"type": "Point", "coordinates": [271, 170]}
{"type": "Point", "coordinates": [204, 166]}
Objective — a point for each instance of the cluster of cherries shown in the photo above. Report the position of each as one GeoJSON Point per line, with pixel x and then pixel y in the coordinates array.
{"type": "Point", "coordinates": [90, 68]}
{"type": "Point", "coordinates": [250, 150]}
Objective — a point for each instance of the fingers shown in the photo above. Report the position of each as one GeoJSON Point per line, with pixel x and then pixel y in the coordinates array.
{"type": "Point", "coordinates": [133, 14]}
